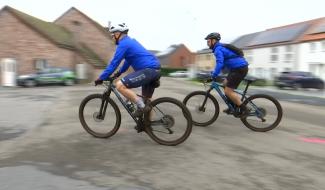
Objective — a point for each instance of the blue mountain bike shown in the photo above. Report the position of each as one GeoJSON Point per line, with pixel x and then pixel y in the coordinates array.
{"type": "Point", "coordinates": [265, 112]}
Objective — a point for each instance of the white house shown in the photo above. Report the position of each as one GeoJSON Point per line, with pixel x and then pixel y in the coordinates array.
{"type": "Point", "coordinates": [299, 46]}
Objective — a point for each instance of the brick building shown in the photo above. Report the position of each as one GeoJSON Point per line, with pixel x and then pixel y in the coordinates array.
{"type": "Point", "coordinates": [73, 41]}
{"type": "Point", "coordinates": [176, 56]}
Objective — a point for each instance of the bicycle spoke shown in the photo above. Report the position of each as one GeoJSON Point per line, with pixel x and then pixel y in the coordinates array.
{"type": "Point", "coordinates": [265, 114]}
{"type": "Point", "coordinates": [94, 122]}
{"type": "Point", "coordinates": [203, 114]}
{"type": "Point", "coordinates": [169, 131]}
{"type": "Point", "coordinates": [167, 122]}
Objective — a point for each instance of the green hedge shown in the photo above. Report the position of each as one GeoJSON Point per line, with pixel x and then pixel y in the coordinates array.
{"type": "Point", "coordinates": [166, 71]}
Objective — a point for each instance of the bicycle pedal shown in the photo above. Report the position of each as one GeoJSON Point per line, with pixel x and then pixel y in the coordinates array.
{"type": "Point", "coordinates": [139, 129]}
{"type": "Point", "coordinates": [228, 112]}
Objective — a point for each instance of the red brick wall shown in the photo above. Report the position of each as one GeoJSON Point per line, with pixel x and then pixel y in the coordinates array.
{"type": "Point", "coordinates": [22, 43]}
{"type": "Point", "coordinates": [88, 33]}
{"type": "Point", "coordinates": [181, 58]}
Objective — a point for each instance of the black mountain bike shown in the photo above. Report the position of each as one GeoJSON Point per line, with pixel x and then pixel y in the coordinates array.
{"type": "Point", "coordinates": [168, 123]}
{"type": "Point", "coordinates": [265, 112]}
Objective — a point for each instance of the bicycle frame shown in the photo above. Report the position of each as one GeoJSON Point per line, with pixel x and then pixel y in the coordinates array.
{"type": "Point", "coordinates": [110, 87]}
{"type": "Point", "coordinates": [217, 86]}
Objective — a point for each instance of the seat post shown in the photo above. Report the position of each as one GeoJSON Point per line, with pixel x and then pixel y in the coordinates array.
{"type": "Point", "coordinates": [246, 88]}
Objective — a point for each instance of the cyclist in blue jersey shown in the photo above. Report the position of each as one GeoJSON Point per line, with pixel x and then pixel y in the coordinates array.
{"type": "Point", "coordinates": [235, 63]}
{"type": "Point", "coordinates": [146, 68]}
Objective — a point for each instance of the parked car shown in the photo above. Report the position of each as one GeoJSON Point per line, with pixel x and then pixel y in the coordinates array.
{"type": "Point", "coordinates": [179, 74]}
{"type": "Point", "coordinates": [48, 76]}
{"type": "Point", "coordinates": [203, 74]}
{"type": "Point", "coordinates": [298, 79]}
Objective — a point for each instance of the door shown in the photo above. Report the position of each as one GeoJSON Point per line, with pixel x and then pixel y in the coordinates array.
{"type": "Point", "coordinates": [81, 71]}
{"type": "Point", "coordinates": [8, 72]}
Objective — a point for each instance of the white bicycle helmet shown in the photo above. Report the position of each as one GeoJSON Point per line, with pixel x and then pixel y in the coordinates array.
{"type": "Point", "coordinates": [119, 28]}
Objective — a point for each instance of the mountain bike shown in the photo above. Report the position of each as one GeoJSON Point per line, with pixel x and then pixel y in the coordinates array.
{"type": "Point", "coordinates": [265, 112]}
{"type": "Point", "coordinates": [168, 122]}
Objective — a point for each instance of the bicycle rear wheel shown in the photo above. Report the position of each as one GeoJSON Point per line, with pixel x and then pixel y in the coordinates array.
{"type": "Point", "coordinates": [202, 115]}
{"type": "Point", "coordinates": [265, 113]}
{"type": "Point", "coordinates": [91, 120]}
{"type": "Point", "coordinates": [169, 121]}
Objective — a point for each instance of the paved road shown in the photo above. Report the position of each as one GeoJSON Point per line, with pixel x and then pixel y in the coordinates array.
{"type": "Point", "coordinates": [302, 96]}
{"type": "Point", "coordinates": [43, 147]}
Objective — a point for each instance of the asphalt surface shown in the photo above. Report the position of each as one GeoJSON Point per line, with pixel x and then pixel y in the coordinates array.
{"type": "Point", "coordinates": [44, 147]}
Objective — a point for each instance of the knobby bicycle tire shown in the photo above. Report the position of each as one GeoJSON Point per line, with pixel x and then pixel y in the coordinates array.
{"type": "Point", "coordinates": [185, 113]}
{"type": "Point", "coordinates": [278, 117]}
{"type": "Point", "coordinates": [215, 105]}
{"type": "Point", "coordinates": [88, 128]}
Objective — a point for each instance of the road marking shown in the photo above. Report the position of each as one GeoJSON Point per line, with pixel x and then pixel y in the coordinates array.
{"type": "Point", "coordinates": [314, 140]}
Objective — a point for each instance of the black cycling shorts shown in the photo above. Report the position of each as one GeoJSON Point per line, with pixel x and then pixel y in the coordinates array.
{"type": "Point", "coordinates": [145, 78]}
{"type": "Point", "coordinates": [235, 76]}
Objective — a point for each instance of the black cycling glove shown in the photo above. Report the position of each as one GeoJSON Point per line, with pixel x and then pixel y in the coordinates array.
{"type": "Point", "coordinates": [98, 81]}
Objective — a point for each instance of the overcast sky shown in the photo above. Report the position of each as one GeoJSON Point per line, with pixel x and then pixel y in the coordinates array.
{"type": "Point", "coordinates": [160, 23]}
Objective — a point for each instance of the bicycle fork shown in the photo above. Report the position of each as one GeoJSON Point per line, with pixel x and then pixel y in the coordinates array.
{"type": "Point", "coordinates": [103, 107]}
{"type": "Point", "coordinates": [202, 107]}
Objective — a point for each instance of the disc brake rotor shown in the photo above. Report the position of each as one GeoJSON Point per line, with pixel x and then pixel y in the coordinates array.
{"type": "Point", "coordinates": [96, 117]}
{"type": "Point", "coordinates": [168, 121]}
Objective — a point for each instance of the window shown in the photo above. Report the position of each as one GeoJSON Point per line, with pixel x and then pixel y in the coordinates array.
{"type": "Point", "coordinates": [275, 50]}
{"type": "Point", "coordinates": [288, 48]}
{"type": "Point", "coordinates": [274, 57]}
{"type": "Point", "coordinates": [312, 47]}
{"type": "Point", "coordinates": [76, 23]}
{"type": "Point", "coordinates": [288, 58]}
{"type": "Point", "coordinates": [41, 64]}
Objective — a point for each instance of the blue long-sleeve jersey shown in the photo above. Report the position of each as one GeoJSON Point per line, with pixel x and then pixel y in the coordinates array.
{"type": "Point", "coordinates": [226, 58]}
{"type": "Point", "coordinates": [134, 55]}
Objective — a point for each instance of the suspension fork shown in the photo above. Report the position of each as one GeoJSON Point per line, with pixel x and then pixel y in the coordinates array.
{"type": "Point", "coordinates": [103, 106]}
{"type": "Point", "coordinates": [202, 107]}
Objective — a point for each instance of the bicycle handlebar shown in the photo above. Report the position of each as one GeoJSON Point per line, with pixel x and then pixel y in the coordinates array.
{"type": "Point", "coordinates": [112, 78]}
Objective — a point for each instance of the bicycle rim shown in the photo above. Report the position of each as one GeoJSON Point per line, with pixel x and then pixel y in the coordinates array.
{"type": "Point", "coordinates": [265, 113]}
{"type": "Point", "coordinates": [89, 116]}
{"type": "Point", "coordinates": [202, 116]}
{"type": "Point", "coordinates": [170, 122]}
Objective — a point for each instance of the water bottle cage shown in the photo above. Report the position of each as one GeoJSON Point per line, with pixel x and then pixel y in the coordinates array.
{"type": "Point", "coordinates": [130, 106]}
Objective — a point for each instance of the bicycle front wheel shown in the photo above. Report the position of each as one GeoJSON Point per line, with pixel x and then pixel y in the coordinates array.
{"type": "Point", "coordinates": [99, 125]}
{"type": "Point", "coordinates": [169, 121]}
{"type": "Point", "coordinates": [202, 114]}
{"type": "Point", "coordinates": [265, 113]}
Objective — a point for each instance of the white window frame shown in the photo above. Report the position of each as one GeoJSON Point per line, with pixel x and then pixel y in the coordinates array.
{"type": "Point", "coordinates": [41, 64]}
{"type": "Point", "coordinates": [274, 54]}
